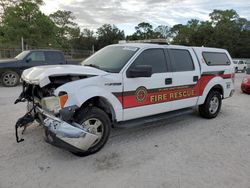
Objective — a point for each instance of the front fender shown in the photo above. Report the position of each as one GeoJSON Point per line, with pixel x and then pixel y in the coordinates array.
{"type": "Point", "coordinates": [83, 94]}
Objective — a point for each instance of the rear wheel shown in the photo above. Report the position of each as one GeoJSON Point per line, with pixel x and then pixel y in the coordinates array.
{"type": "Point", "coordinates": [10, 79]}
{"type": "Point", "coordinates": [97, 122]}
{"type": "Point", "coordinates": [212, 105]}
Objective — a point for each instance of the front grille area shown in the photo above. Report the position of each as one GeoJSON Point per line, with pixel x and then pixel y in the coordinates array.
{"type": "Point", "coordinates": [35, 92]}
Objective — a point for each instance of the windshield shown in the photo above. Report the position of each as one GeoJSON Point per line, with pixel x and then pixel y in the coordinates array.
{"type": "Point", "coordinates": [22, 55]}
{"type": "Point", "coordinates": [111, 58]}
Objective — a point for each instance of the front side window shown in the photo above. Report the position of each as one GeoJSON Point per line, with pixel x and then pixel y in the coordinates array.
{"type": "Point", "coordinates": [181, 60]}
{"type": "Point", "coordinates": [216, 58]}
{"type": "Point", "coordinates": [154, 58]}
{"type": "Point", "coordinates": [22, 55]}
{"type": "Point", "coordinates": [36, 56]}
{"type": "Point", "coordinates": [111, 58]}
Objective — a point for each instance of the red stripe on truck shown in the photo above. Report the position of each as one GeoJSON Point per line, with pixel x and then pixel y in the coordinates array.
{"type": "Point", "coordinates": [142, 96]}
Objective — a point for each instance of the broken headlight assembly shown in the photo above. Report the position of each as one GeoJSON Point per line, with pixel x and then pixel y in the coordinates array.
{"type": "Point", "coordinates": [54, 103]}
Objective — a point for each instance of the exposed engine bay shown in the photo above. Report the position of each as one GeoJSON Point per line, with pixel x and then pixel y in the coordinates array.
{"type": "Point", "coordinates": [31, 91]}
{"type": "Point", "coordinates": [60, 128]}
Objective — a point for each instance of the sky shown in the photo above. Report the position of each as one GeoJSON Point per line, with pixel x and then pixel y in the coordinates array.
{"type": "Point", "coordinates": [126, 14]}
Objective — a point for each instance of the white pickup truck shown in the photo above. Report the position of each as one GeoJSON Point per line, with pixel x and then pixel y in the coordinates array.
{"type": "Point", "coordinates": [122, 84]}
{"type": "Point", "coordinates": [239, 65]}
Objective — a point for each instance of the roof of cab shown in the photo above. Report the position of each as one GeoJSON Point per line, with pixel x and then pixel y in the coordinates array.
{"type": "Point", "coordinates": [43, 50]}
{"type": "Point", "coordinates": [148, 45]}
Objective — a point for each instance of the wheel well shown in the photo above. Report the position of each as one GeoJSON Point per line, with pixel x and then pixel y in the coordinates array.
{"type": "Point", "coordinates": [101, 103]}
{"type": "Point", "coordinates": [218, 88]}
{"type": "Point", "coordinates": [10, 70]}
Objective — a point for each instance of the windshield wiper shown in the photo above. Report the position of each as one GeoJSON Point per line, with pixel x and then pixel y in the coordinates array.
{"type": "Point", "coordinates": [98, 67]}
{"type": "Point", "coordinates": [92, 65]}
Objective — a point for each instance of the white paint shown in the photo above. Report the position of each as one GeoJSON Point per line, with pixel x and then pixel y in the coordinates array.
{"type": "Point", "coordinates": [80, 91]}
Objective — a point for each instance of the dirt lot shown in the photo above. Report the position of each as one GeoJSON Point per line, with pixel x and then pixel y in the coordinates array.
{"type": "Point", "coordinates": [187, 151]}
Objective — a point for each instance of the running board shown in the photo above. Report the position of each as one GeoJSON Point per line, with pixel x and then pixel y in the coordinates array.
{"type": "Point", "coordinates": [154, 118]}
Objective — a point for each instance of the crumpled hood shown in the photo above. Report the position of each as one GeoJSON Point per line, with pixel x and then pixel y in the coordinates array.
{"type": "Point", "coordinates": [40, 75]}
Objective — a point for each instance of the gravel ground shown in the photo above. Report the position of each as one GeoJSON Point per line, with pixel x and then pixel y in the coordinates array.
{"type": "Point", "coordinates": [186, 151]}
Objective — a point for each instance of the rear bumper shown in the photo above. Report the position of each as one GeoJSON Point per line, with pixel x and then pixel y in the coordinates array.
{"type": "Point", "coordinates": [71, 137]}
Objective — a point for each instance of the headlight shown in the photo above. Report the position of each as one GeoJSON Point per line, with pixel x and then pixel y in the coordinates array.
{"type": "Point", "coordinates": [54, 103]}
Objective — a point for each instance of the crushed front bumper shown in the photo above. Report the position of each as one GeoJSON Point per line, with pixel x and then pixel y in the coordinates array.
{"type": "Point", "coordinates": [71, 137]}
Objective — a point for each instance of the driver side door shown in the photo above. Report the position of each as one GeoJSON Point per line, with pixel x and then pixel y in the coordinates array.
{"type": "Point", "coordinates": [144, 96]}
{"type": "Point", "coordinates": [34, 59]}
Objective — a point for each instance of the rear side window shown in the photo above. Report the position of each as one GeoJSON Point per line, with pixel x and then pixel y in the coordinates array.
{"type": "Point", "coordinates": [241, 62]}
{"type": "Point", "coordinates": [215, 58]}
{"type": "Point", "coordinates": [54, 57]}
{"type": "Point", "coordinates": [181, 60]}
{"type": "Point", "coordinates": [154, 58]}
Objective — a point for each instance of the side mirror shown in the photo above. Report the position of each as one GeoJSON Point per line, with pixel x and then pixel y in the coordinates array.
{"type": "Point", "coordinates": [140, 71]}
{"type": "Point", "coordinates": [28, 60]}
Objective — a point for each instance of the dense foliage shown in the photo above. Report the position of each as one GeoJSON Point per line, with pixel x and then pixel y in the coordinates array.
{"type": "Point", "coordinates": [23, 18]}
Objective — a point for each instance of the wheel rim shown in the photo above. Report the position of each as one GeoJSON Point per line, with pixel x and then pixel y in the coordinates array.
{"type": "Point", "coordinates": [10, 79]}
{"type": "Point", "coordinates": [214, 105]}
{"type": "Point", "coordinates": [94, 126]}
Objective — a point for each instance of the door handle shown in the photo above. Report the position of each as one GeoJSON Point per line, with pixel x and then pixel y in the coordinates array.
{"type": "Point", "coordinates": [168, 81]}
{"type": "Point", "coordinates": [195, 78]}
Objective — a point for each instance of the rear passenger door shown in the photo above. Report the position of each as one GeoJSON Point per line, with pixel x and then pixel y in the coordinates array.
{"type": "Point", "coordinates": [185, 75]}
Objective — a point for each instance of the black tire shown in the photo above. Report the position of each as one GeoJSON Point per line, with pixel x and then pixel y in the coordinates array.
{"type": "Point", "coordinates": [244, 70]}
{"type": "Point", "coordinates": [205, 110]}
{"type": "Point", "coordinates": [236, 69]}
{"type": "Point", "coordinates": [96, 113]}
{"type": "Point", "coordinates": [10, 78]}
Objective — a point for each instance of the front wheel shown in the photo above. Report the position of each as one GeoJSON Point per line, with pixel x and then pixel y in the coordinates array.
{"type": "Point", "coordinates": [97, 122]}
{"type": "Point", "coordinates": [212, 105]}
{"type": "Point", "coordinates": [10, 79]}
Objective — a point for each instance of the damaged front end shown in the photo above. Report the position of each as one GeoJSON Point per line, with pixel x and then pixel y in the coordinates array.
{"type": "Point", "coordinates": [60, 128]}
{"type": "Point", "coordinates": [69, 136]}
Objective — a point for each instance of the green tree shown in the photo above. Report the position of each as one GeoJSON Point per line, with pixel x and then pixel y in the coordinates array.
{"type": "Point", "coordinates": [243, 47]}
{"type": "Point", "coordinates": [27, 21]}
{"type": "Point", "coordinates": [143, 31]}
{"type": "Point", "coordinates": [162, 31]}
{"type": "Point", "coordinates": [218, 16]}
{"type": "Point", "coordinates": [64, 21]}
{"type": "Point", "coordinates": [108, 34]}
{"type": "Point", "coordinates": [67, 29]}
{"type": "Point", "coordinates": [184, 34]}
{"type": "Point", "coordinates": [227, 29]}
{"type": "Point", "coordinates": [202, 37]}
{"type": "Point", "coordinates": [224, 30]}
{"type": "Point", "coordinates": [85, 41]}
{"type": "Point", "coordinates": [4, 4]}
